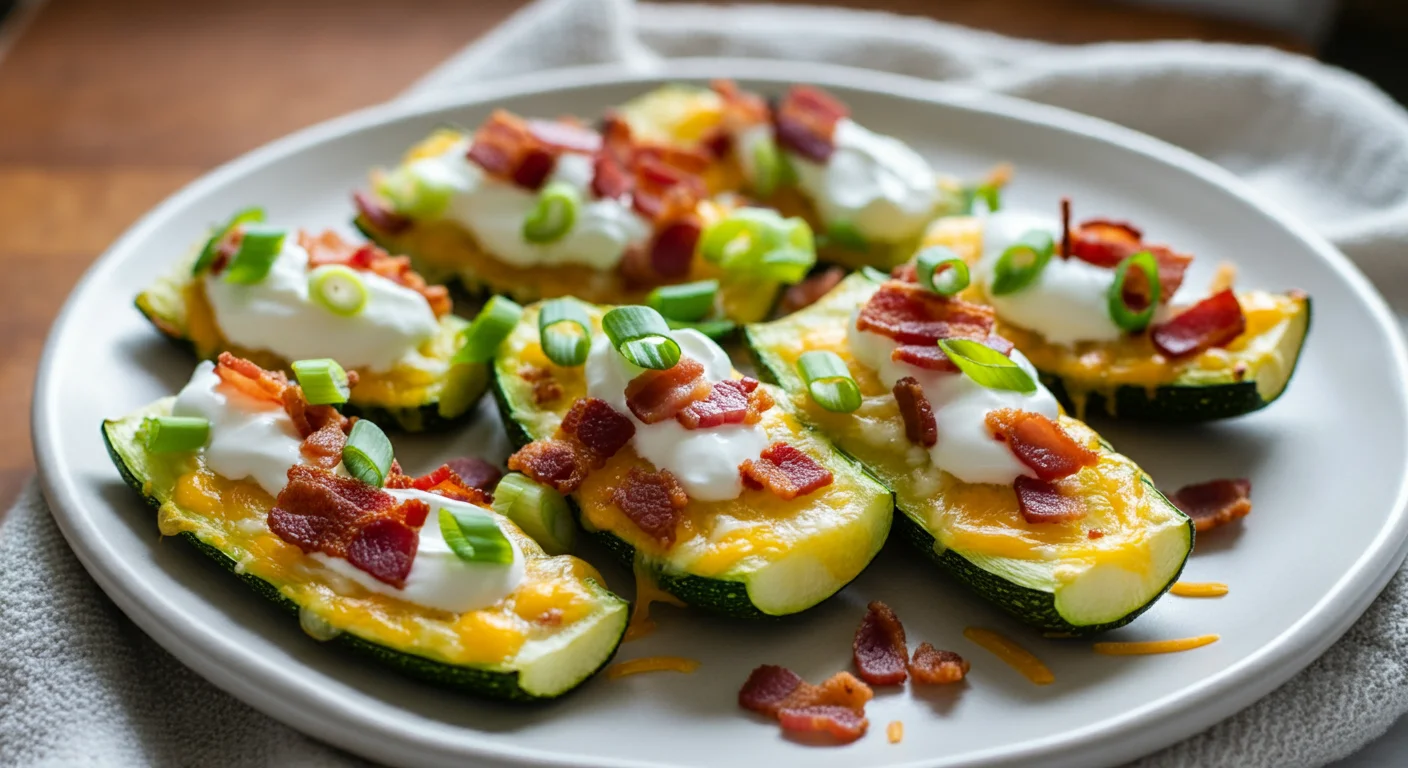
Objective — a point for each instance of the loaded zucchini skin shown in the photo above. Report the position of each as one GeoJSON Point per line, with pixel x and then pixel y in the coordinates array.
{"type": "Point", "coordinates": [732, 593]}
{"type": "Point", "coordinates": [995, 577]}
{"type": "Point", "coordinates": [499, 684]}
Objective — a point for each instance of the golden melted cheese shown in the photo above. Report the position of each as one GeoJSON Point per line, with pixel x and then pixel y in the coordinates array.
{"type": "Point", "coordinates": [1011, 654]}
{"type": "Point", "coordinates": [1146, 647]}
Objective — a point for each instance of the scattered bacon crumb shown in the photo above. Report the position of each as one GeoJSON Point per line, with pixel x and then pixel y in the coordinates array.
{"type": "Point", "coordinates": [741, 108]}
{"type": "Point", "coordinates": [476, 473]}
{"type": "Point", "coordinates": [1212, 322]}
{"type": "Point", "coordinates": [565, 136]}
{"type": "Point", "coordinates": [1040, 443]}
{"type": "Point", "coordinates": [505, 147]}
{"type": "Point", "coordinates": [810, 290]}
{"type": "Point", "coordinates": [323, 448]}
{"type": "Point", "coordinates": [672, 247]}
{"type": "Point", "coordinates": [1215, 502]}
{"type": "Point", "coordinates": [655, 396]}
{"type": "Point", "coordinates": [731, 401]}
{"type": "Point", "coordinates": [1042, 502]}
{"type": "Point", "coordinates": [444, 481]}
{"type": "Point", "coordinates": [561, 464]}
{"type": "Point", "coordinates": [652, 500]}
{"type": "Point", "coordinates": [598, 427]}
{"type": "Point", "coordinates": [918, 414]}
{"type": "Point", "coordinates": [1106, 243]}
{"type": "Point", "coordinates": [785, 471]}
{"type": "Point", "coordinates": [837, 706]}
{"type": "Point", "coordinates": [931, 358]}
{"type": "Point", "coordinates": [378, 215]}
{"type": "Point", "coordinates": [844, 724]}
{"type": "Point", "coordinates": [931, 666]}
{"type": "Point", "coordinates": [879, 650]}
{"type": "Point", "coordinates": [805, 122]}
{"type": "Point", "coordinates": [545, 387]}
{"type": "Point", "coordinates": [909, 314]}
{"type": "Point", "coordinates": [249, 379]}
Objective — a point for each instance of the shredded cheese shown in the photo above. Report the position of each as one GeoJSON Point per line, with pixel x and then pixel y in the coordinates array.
{"type": "Point", "coordinates": [894, 731]}
{"type": "Point", "coordinates": [1198, 589]}
{"type": "Point", "coordinates": [1155, 646]}
{"type": "Point", "coordinates": [652, 664]}
{"type": "Point", "coordinates": [647, 592]}
{"type": "Point", "coordinates": [1223, 278]}
{"type": "Point", "coordinates": [1012, 654]}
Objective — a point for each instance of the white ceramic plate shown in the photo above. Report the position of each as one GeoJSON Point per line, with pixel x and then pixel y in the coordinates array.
{"type": "Point", "coordinates": [1326, 462]}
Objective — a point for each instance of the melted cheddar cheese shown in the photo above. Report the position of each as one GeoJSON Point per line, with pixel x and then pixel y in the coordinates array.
{"type": "Point", "coordinates": [652, 664]}
{"type": "Point", "coordinates": [1146, 647]}
{"type": "Point", "coordinates": [1198, 589]}
{"type": "Point", "coordinates": [1011, 654]}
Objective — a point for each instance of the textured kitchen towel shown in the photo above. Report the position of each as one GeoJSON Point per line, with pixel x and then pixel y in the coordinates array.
{"type": "Point", "coordinates": [79, 685]}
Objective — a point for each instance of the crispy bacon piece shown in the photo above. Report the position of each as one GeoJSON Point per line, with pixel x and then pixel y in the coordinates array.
{"type": "Point", "coordinates": [932, 666]}
{"type": "Point", "coordinates": [1043, 502]}
{"type": "Point", "coordinates": [652, 500]}
{"type": "Point", "coordinates": [1214, 503]}
{"type": "Point", "coordinates": [729, 402]}
{"type": "Point", "coordinates": [1040, 443]}
{"type": "Point", "coordinates": [918, 414]}
{"type": "Point", "coordinates": [476, 473]}
{"type": "Point", "coordinates": [741, 108]}
{"type": "Point", "coordinates": [785, 471]}
{"type": "Point", "coordinates": [931, 358]}
{"type": "Point", "coordinates": [598, 427]}
{"type": "Point", "coordinates": [879, 650]}
{"type": "Point", "coordinates": [562, 464]}
{"type": "Point", "coordinates": [767, 687]}
{"type": "Point", "coordinates": [385, 548]}
{"type": "Point", "coordinates": [328, 247]}
{"type": "Point", "coordinates": [323, 448]}
{"type": "Point", "coordinates": [545, 386]}
{"type": "Point", "coordinates": [505, 147]}
{"type": "Point", "coordinates": [565, 136]}
{"type": "Point", "coordinates": [845, 724]}
{"type": "Point", "coordinates": [443, 481]}
{"type": "Point", "coordinates": [810, 290]}
{"type": "Point", "coordinates": [805, 122]}
{"type": "Point", "coordinates": [1212, 322]}
{"type": "Point", "coordinates": [1106, 243]}
{"type": "Point", "coordinates": [837, 706]}
{"type": "Point", "coordinates": [377, 214]}
{"type": "Point", "coordinates": [655, 396]}
{"type": "Point", "coordinates": [249, 379]}
{"type": "Point", "coordinates": [663, 192]}
{"type": "Point", "coordinates": [911, 315]}
{"type": "Point", "coordinates": [610, 179]}
{"type": "Point", "coordinates": [672, 248]}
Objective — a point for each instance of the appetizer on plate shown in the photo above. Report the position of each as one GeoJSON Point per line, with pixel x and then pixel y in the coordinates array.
{"type": "Point", "coordinates": [277, 295]}
{"type": "Point", "coordinates": [703, 480]}
{"type": "Point", "coordinates": [1028, 507]}
{"type": "Point", "coordinates": [1091, 306]}
{"type": "Point", "coordinates": [309, 508]}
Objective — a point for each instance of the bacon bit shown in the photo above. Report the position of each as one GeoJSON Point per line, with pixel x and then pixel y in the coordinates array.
{"type": "Point", "coordinates": [1095, 533]}
{"type": "Point", "coordinates": [672, 249]}
{"type": "Point", "coordinates": [329, 247]}
{"type": "Point", "coordinates": [249, 379]}
{"type": "Point", "coordinates": [561, 464]}
{"type": "Point", "coordinates": [785, 471]}
{"type": "Point", "coordinates": [1042, 502]}
{"type": "Point", "coordinates": [931, 358]}
{"type": "Point", "coordinates": [598, 427]}
{"type": "Point", "coordinates": [443, 481]}
{"type": "Point", "coordinates": [504, 146]}
{"type": "Point", "coordinates": [729, 402]}
{"type": "Point", "coordinates": [1040, 443]}
{"type": "Point", "coordinates": [1212, 322]}
{"type": "Point", "coordinates": [545, 386]}
{"type": "Point", "coordinates": [1106, 243]}
{"type": "Point", "coordinates": [565, 136]}
{"type": "Point", "coordinates": [476, 473]}
{"type": "Point", "coordinates": [918, 414]}
{"type": "Point", "coordinates": [842, 723]}
{"type": "Point", "coordinates": [810, 290]}
{"type": "Point", "coordinates": [385, 549]}
{"type": "Point", "coordinates": [663, 192]}
{"type": "Point", "coordinates": [837, 706]}
{"type": "Point", "coordinates": [1215, 502]}
{"type": "Point", "coordinates": [652, 500]}
{"type": "Point", "coordinates": [378, 215]}
{"type": "Point", "coordinates": [741, 108]}
{"type": "Point", "coordinates": [911, 315]}
{"type": "Point", "coordinates": [323, 448]}
{"type": "Point", "coordinates": [931, 666]}
{"type": "Point", "coordinates": [655, 396]}
{"type": "Point", "coordinates": [610, 180]}
{"type": "Point", "coordinates": [1065, 227]}
{"type": "Point", "coordinates": [879, 650]}
{"type": "Point", "coordinates": [805, 122]}
{"type": "Point", "coordinates": [767, 687]}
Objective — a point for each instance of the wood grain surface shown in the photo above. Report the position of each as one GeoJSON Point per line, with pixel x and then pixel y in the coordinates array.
{"type": "Point", "coordinates": [108, 107]}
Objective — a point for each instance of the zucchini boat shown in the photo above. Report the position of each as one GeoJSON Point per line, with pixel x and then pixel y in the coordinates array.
{"type": "Point", "coordinates": [1077, 545]}
{"type": "Point", "coordinates": [540, 209]}
{"type": "Point", "coordinates": [1225, 355]}
{"type": "Point", "coordinates": [688, 473]}
{"type": "Point", "coordinates": [502, 620]}
{"type": "Point", "coordinates": [274, 296]}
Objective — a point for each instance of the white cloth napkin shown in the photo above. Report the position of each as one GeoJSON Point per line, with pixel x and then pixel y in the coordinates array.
{"type": "Point", "coordinates": [79, 684]}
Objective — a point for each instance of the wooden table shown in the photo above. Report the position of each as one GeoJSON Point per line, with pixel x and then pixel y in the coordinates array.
{"type": "Point", "coordinates": [108, 107]}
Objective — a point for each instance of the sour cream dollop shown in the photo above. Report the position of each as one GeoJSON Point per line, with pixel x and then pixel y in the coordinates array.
{"type": "Point", "coordinates": [705, 461]}
{"type": "Point", "coordinates": [965, 448]}
{"type": "Point", "coordinates": [1067, 303]}
{"type": "Point", "coordinates": [249, 437]}
{"type": "Point", "coordinates": [276, 314]}
{"type": "Point", "coordinates": [875, 182]}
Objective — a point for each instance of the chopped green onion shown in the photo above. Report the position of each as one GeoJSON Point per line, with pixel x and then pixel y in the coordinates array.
{"type": "Point", "coordinates": [1124, 316]}
{"type": "Point", "coordinates": [786, 265]}
{"type": "Point", "coordinates": [941, 270]}
{"type": "Point", "coordinates": [540, 511]}
{"type": "Point", "coordinates": [493, 324]}
{"type": "Point", "coordinates": [259, 248]}
{"type": "Point", "coordinates": [175, 434]}
{"type": "Point", "coordinates": [367, 454]}
{"type": "Point", "coordinates": [771, 169]}
{"type": "Point", "coordinates": [252, 215]}
{"type": "Point", "coordinates": [688, 302]}
{"type": "Point", "coordinates": [760, 243]}
{"type": "Point", "coordinates": [554, 214]}
{"type": "Point", "coordinates": [1020, 264]}
{"type": "Point", "coordinates": [829, 381]}
{"type": "Point", "coordinates": [641, 335]}
{"type": "Point", "coordinates": [875, 275]}
{"type": "Point", "coordinates": [474, 536]}
{"type": "Point", "coordinates": [717, 330]}
{"type": "Point", "coordinates": [987, 366]}
{"type": "Point", "coordinates": [991, 195]}
{"type": "Point", "coordinates": [421, 189]}
{"type": "Point", "coordinates": [562, 344]}
{"type": "Point", "coordinates": [846, 235]}
{"type": "Point", "coordinates": [323, 381]}
{"type": "Point", "coordinates": [338, 289]}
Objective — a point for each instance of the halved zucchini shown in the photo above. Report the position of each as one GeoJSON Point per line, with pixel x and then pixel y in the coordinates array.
{"type": "Point", "coordinates": [498, 652]}
{"type": "Point", "coordinates": [752, 556]}
{"type": "Point", "coordinates": [1089, 576]}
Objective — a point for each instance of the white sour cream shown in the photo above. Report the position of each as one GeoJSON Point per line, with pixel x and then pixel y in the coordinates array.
{"type": "Point", "coordinates": [494, 210]}
{"type": "Point", "coordinates": [1067, 303]}
{"type": "Point", "coordinates": [705, 461]}
{"type": "Point", "coordinates": [965, 448]}
{"type": "Point", "coordinates": [277, 315]}
{"type": "Point", "coordinates": [438, 577]}
{"type": "Point", "coordinates": [249, 438]}
{"type": "Point", "coordinates": [877, 183]}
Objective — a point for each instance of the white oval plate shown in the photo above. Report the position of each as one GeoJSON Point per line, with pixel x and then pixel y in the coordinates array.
{"type": "Point", "coordinates": [1326, 462]}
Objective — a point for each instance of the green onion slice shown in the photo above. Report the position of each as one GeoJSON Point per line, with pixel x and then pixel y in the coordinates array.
{"type": "Point", "coordinates": [253, 215]}
{"type": "Point", "coordinates": [941, 270]}
{"type": "Point", "coordinates": [686, 302]}
{"type": "Point", "coordinates": [540, 511]}
{"type": "Point", "coordinates": [323, 381]}
{"type": "Point", "coordinates": [1020, 264]}
{"type": "Point", "coordinates": [338, 289]}
{"type": "Point", "coordinates": [175, 434]}
{"type": "Point", "coordinates": [718, 330]}
{"type": "Point", "coordinates": [875, 275]}
{"type": "Point", "coordinates": [771, 169]}
{"type": "Point", "coordinates": [493, 324]}
{"type": "Point", "coordinates": [760, 243]}
{"type": "Point", "coordinates": [1124, 316]}
{"type": "Point", "coordinates": [642, 336]}
{"type": "Point", "coordinates": [990, 194]}
{"type": "Point", "coordinates": [564, 345]}
{"type": "Point", "coordinates": [259, 248]}
{"type": "Point", "coordinates": [846, 235]}
{"type": "Point", "coordinates": [554, 214]}
{"type": "Point", "coordinates": [829, 381]}
{"type": "Point", "coordinates": [474, 536]}
{"type": "Point", "coordinates": [421, 189]}
{"type": "Point", "coordinates": [987, 366]}
{"type": "Point", "coordinates": [367, 454]}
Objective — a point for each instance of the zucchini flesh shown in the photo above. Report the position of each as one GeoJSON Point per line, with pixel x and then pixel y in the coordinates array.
{"type": "Point", "coordinates": [1054, 577]}
{"type": "Point", "coordinates": [749, 557]}
{"type": "Point", "coordinates": [544, 666]}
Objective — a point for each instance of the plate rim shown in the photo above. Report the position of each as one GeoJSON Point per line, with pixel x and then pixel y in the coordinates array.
{"type": "Point", "coordinates": [1152, 726]}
